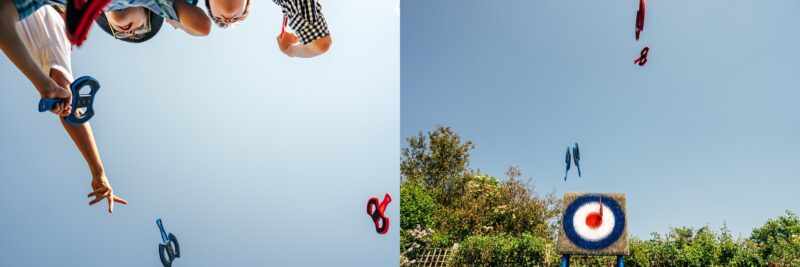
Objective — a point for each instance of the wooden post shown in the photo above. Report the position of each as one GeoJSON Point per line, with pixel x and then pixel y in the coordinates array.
{"type": "Point", "coordinates": [547, 255]}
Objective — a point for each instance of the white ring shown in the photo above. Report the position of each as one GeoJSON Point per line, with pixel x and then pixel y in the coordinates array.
{"type": "Point", "coordinates": [586, 232]}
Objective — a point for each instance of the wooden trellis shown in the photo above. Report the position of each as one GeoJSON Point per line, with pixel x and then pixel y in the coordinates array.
{"type": "Point", "coordinates": [436, 257]}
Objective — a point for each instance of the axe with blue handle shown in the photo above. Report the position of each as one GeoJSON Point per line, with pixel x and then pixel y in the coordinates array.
{"type": "Point", "coordinates": [568, 159]}
{"type": "Point", "coordinates": [78, 101]}
{"type": "Point", "coordinates": [576, 157]}
{"type": "Point", "coordinates": [170, 249]}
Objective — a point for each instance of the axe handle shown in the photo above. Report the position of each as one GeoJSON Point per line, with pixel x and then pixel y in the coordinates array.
{"type": "Point", "coordinates": [46, 104]}
{"type": "Point", "coordinates": [285, 21]}
{"type": "Point", "coordinates": [161, 229]}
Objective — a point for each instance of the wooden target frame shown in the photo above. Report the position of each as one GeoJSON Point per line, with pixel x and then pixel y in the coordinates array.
{"type": "Point", "coordinates": [609, 237]}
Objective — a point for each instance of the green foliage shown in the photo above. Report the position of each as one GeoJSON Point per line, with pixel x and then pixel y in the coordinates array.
{"type": "Point", "coordinates": [748, 255]}
{"type": "Point", "coordinates": [442, 240]}
{"type": "Point", "coordinates": [523, 211]}
{"type": "Point", "coordinates": [592, 261]}
{"type": "Point", "coordinates": [774, 244]}
{"type": "Point", "coordinates": [440, 192]}
{"type": "Point", "coordinates": [472, 213]}
{"type": "Point", "coordinates": [438, 161]}
{"type": "Point", "coordinates": [417, 206]}
{"type": "Point", "coordinates": [778, 241]}
{"type": "Point", "coordinates": [496, 222]}
{"type": "Point", "coordinates": [685, 247]}
{"type": "Point", "coordinates": [522, 250]}
{"type": "Point", "coordinates": [489, 206]}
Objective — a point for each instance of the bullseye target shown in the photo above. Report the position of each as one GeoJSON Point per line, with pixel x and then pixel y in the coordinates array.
{"type": "Point", "coordinates": [593, 224]}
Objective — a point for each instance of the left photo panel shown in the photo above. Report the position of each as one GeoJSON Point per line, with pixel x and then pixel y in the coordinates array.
{"type": "Point", "coordinates": [199, 133]}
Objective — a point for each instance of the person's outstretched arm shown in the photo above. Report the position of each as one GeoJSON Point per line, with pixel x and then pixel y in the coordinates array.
{"type": "Point", "coordinates": [84, 140]}
{"type": "Point", "coordinates": [15, 50]}
{"type": "Point", "coordinates": [193, 19]}
{"type": "Point", "coordinates": [290, 45]}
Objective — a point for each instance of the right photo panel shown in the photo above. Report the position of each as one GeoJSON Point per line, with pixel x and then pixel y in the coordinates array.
{"type": "Point", "coordinates": [599, 133]}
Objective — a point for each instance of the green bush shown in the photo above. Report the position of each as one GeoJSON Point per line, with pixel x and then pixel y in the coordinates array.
{"type": "Point", "coordinates": [417, 207]}
{"type": "Point", "coordinates": [685, 247]}
{"type": "Point", "coordinates": [442, 240]}
{"type": "Point", "coordinates": [778, 241]}
{"type": "Point", "coordinates": [524, 250]}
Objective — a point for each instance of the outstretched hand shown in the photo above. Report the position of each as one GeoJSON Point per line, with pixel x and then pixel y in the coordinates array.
{"type": "Point", "coordinates": [102, 190]}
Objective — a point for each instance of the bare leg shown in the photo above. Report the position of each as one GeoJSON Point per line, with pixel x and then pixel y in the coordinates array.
{"type": "Point", "coordinates": [15, 50]}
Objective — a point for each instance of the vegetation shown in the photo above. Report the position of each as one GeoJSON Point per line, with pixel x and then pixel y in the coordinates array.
{"type": "Point", "coordinates": [492, 222]}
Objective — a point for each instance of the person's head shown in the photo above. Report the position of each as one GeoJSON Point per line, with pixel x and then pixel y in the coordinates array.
{"type": "Point", "coordinates": [133, 24]}
{"type": "Point", "coordinates": [227, 12]}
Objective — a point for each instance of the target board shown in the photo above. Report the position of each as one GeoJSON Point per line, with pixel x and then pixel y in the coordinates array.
{"type": "Point", "coordinates": [593, 224]}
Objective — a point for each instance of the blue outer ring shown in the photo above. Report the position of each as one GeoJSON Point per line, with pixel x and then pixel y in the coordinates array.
{"type": "Point", "coordinates": [616, 233]}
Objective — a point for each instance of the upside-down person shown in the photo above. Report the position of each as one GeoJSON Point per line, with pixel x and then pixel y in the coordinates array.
{"type": "Point", "coordinates": [310, 38]}
{"type": "Point", "coordinates": [137, 21]}
{"type": "Point", "coordinates": [38, 45]}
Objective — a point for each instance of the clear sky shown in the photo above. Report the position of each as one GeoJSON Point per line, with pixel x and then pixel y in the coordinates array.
{"type": "Point", "coordinates": [705, 133]}
{"type": "Point", "coordinates": [251, 158]}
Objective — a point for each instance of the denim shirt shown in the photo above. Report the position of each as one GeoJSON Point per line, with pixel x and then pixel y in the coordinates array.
{"type": "Point", "coordinates": [26, 7]}
{"type": "Point", "coordinates": [163, 8]}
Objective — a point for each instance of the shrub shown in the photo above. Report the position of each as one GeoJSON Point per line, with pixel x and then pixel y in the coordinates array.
{"type": "Point", "coordinates": [778, 241]}
{"type": "Point", "coordinates": [417, 207]}
{"type": "Point", "coordinates": [524, 250]}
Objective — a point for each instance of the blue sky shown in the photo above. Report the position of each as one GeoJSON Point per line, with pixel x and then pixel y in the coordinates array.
{"type": "Point", "coordinates": [251, 158]}
{"type": "Point", "coordinates": [705, 134]}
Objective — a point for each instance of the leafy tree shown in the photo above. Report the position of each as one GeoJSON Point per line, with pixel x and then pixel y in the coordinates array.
{"type": "Point", "coordinates": [778, 241]}
{"type": "Point", "coordinates": [438, 161]}
{"type": "Point", "coordinates": [527, 212]}
{"type": "Point", "coordinates": [435, 166]}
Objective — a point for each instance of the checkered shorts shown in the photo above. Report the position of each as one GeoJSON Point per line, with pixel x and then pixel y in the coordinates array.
{"type": "Point", "coordinates": [26, 7]}
{"type": "Point", "coordinates": [305, 18]}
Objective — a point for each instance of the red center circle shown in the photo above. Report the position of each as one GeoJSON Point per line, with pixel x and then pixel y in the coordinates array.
{"type": "Point", "coordinates": [594, 220]}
